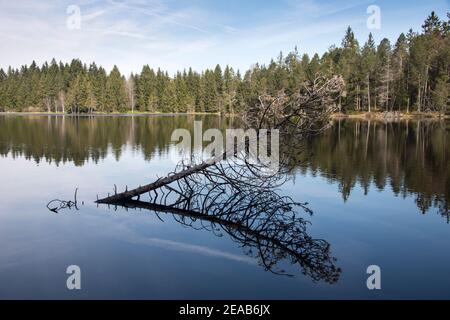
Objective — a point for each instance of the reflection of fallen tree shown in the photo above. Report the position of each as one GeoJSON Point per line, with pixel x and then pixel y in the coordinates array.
{"type": "Point", "coordinates": [238, 194]}
{"type": "Point", "coordinates": [261, 221]}
{"type": "Point", "coordinates": [269, 241]}
{"type": "Point", "coordinates": [229, 197]}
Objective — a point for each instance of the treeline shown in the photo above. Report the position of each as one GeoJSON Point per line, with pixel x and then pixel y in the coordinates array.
{"type": "Point", "coordinates": [411, 75]}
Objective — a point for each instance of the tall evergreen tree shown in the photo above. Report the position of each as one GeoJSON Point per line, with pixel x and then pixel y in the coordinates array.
{"type": "Point", "coordinates": [384, 69]}
{"type": "Point", "coordinates": [368, 63]}
{"type": "Point", "coordinates": [399, 71]}
{"type": "Point", "coordinates": [116, 96]}
{"type": "Point", "coordinates": [349, 58]}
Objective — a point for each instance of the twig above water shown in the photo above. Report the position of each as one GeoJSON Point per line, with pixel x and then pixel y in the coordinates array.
{"type": "Point", "coordinates": [56, 205]}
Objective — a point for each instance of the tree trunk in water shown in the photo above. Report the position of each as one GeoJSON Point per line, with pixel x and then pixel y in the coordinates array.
{"type": "Point", "coordinates": [407, 106]}
{"type": "Point", "coordinates": [127, 195]}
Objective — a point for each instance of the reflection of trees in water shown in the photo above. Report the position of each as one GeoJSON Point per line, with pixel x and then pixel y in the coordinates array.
{"type": "Point", "coordinates": [61, 139]}
{"type": "Point", "coordinates": [411, 156]}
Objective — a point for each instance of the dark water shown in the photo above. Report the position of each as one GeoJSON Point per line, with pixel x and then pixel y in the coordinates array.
{"type": "Point", "coordinates": [379, 191]}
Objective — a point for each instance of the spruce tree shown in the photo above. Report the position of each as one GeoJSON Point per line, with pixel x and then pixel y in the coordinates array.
{"type": "Point", "coordinates": [368, 61]}
{"type": "Point", "coordinates": [116, 97]}
{"type": "Point", "coordinates": [384, 74]}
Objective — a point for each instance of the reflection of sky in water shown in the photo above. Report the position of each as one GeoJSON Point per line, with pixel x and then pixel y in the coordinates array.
{"type": "Point", "coordinates": [135, 255]}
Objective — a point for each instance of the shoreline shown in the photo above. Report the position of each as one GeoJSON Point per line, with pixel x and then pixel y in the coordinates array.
{"type": "Point", "coordinates": [378, 115]}
{"type": "Point", "coordinates": [105, 114]}
{"type": "Point", "coordinates": [389, 116]}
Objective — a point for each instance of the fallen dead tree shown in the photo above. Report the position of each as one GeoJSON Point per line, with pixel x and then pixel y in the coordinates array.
{"type": "Point", "coordinates": [294, 116]}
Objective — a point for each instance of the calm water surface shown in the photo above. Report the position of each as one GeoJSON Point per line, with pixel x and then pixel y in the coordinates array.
{"type": "Point", "coordinates": [379, 191]}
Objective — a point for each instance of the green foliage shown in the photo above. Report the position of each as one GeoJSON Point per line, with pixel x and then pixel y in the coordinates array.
{"type": "Point", "coordinates": [441, 93]}
{"type": "Point", "coordinates": [116, 96]}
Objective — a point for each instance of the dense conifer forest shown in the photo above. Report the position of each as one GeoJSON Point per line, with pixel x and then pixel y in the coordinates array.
{"type": "Point", "coordinates": [411, 75]}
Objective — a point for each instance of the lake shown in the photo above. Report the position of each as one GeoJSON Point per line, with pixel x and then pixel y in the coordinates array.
{"type": "Point", "coordinates": [379, 192]}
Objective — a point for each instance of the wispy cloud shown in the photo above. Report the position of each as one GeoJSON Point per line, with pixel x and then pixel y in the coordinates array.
{"type": "Point", "coordinates": [93, 15]}
{"type": "Point", "coordinates": [190, 248]}
{"type": "Point", "coordinates": [157, 10]}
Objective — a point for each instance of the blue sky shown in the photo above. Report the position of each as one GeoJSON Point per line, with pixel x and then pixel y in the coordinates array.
{"type": "Point", "coordinates": [174, 35]}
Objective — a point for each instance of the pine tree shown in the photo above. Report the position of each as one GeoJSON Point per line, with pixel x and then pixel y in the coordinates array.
{"type": "Point", "coordinates": [399, 67]}
{"type": "Point", "coordinates": [210, 94]}
{"type": "Point", "coordinates": [91, 103]}
{"type": "Point", "coordinates": [432, 24]}
{"type": "Point", "coordinates": [76, 96]}
{"type": "Point", "coordinates": [218, 81]}
{"type": "Point", "coordinates": [168, 98]}
{"type": "Point", "coordinates": [131, 94]}
{"type": "Point", "coordinates": [441, 93]}
{"type": "Point", "coordinates": [384, 69]}
{"type": "Point", "coordinates": [146, 95]}
{"type": "Point", "coordinates": [368, 62]}
{"type": "Point", "coordinates": [99, 88]}
{"type": "Point", "coordinates": [230, 87]}
{"type": "Point", "coordinates": [349, 58]}
{"type": "Point", "coordinates": [313, 67]}
{"type": "Point", "coordinates": [3, 90]}
{"type": "Point", "coordinates": [51, 85]}
{"type": "Point", "coordinates": [419, 66]}
{"type": "Point", "coordinates": [116, 97]}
